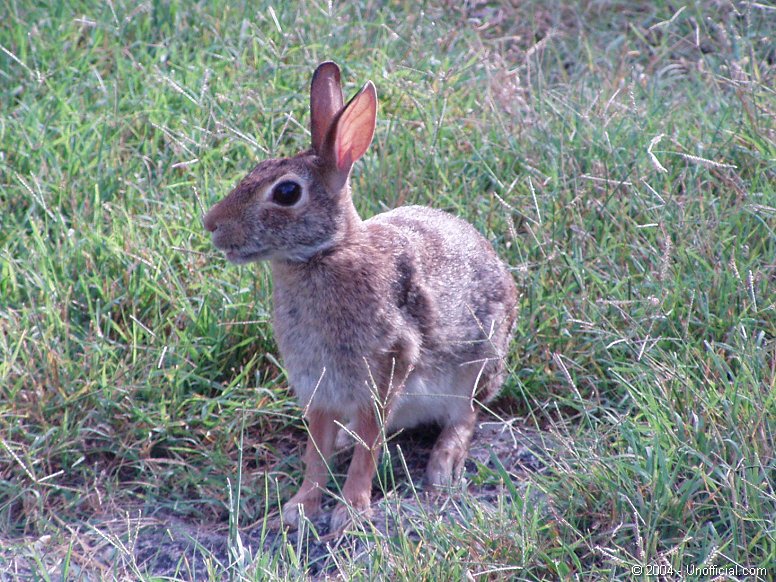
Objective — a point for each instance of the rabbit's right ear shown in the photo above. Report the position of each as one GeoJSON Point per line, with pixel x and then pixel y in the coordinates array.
{"type": "Point", "coordinates": [352, 131]}
{"type": "Point", "coordinates": [325, 102]}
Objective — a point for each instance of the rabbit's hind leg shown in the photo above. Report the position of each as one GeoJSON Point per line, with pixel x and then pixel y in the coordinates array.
{"type": "Point", "coordinates": [445, 465]}
{"type": "Point", "coordinates": [446, 462]}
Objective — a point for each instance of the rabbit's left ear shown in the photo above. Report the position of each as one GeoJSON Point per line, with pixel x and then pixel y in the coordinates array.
{"type": "Point", "coordinates": [352, 130]}
{"type": "Point", "coordinates": [325, 102]}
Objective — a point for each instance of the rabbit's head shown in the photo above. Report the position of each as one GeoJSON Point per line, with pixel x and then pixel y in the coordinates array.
{"type": "Point", "coordinates": [293, 208]}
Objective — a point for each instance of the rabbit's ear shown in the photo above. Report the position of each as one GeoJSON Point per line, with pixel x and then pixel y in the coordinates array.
{"type": "Point", "coordinates": [325, 101]}
{"type": "Point", "coordinates": [352, 130]}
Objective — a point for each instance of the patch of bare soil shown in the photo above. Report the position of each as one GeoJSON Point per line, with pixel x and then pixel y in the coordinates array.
{"type": "Point", "coordinates": [161, 543]}
{"type": "Point", "coordinates": [166, 544]}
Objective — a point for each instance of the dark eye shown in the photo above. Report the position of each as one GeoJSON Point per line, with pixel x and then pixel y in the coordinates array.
{"type": "Point", "coordinates": [286, 193]}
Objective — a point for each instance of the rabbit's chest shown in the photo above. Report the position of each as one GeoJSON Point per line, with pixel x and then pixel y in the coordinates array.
{"type": "Point", "coordinates": [326, 347]}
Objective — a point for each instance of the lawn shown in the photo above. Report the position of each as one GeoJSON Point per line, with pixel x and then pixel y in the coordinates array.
{"type": "Point", "coordinates": [619, 154]}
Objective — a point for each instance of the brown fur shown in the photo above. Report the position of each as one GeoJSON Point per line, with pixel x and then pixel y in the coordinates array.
{"type": "Point", "coordinates": [398, 320]}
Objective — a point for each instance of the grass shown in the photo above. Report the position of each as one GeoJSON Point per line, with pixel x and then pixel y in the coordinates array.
{"type": "Point", "coordinates": [621, 155]}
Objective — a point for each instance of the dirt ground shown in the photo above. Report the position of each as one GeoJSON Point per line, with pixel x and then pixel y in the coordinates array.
{"type": "Point", "coordinates": [164, 544]}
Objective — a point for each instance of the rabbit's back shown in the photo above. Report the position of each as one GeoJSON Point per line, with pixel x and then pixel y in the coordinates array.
{"type": "Point", "coordinates": [460, 294]}
{"type": "Point", "coordinates": [466, 288]}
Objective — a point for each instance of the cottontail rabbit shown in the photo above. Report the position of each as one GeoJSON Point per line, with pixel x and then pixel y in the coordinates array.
{"type": "Point", "coordinates": [391, 322]}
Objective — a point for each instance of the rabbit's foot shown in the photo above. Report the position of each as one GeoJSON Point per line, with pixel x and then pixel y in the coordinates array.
{"type": "Point", "coordinates": [307, 503]}
{"type": "Point", "coordinates": [445, 465]}
{"type": "Point", "coordinates": [344, 514]}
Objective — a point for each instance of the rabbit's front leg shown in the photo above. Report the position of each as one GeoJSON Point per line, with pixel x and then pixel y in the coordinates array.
{"type": "Point", "coordinates": [322, 430]}
{"type": "Point", "coordinates": [357, 491]}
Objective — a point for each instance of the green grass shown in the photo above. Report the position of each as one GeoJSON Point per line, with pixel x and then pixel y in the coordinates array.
{"type": "Point", "coordinates": [138, 370]}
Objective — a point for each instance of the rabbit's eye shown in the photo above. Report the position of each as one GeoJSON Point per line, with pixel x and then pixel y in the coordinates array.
{"type": "Point", "coordinates": [287, 193]}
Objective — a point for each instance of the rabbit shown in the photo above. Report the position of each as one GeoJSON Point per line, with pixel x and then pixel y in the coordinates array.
{"type": "Point", "coordinates": [382, 324]}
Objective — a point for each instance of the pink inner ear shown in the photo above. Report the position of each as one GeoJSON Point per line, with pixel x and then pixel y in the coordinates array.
{"type": "Point", "coordinates": [344, 159]}
{"type": "Point", "coordinates": [355, 128]}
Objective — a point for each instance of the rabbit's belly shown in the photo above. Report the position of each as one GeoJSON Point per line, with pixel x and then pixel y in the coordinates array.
{"type": "Point", "coordinates": [437, 396]}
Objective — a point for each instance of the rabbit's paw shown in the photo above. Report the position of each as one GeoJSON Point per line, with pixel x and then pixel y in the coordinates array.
{"type": "Point", "coordinates": [345, 513]}
{"type": "Point", "coordinates": [301, 504]}
{"type": "Point", "coordinates": [445, 466]}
